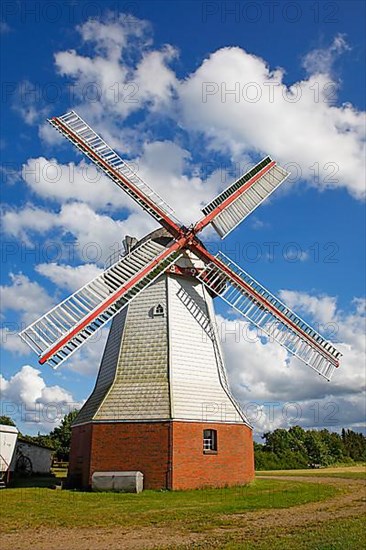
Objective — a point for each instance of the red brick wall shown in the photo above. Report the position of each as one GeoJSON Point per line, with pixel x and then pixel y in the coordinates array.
{"type": "Point", "coordinates": [133, 446]}
{"type": "Point", "coordinates": [232, 465]}
{"type": "Point", "coordinates": [145, 447]}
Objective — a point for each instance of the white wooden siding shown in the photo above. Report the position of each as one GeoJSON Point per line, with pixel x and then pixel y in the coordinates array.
{"type": "Point", "coordinates": [197, 393]}
{"type": "Point", "coordinates": [162, 367]}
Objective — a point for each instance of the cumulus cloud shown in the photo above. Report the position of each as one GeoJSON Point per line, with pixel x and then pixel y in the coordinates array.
{"type": "Point", "coordinates": [69, 277]}
{"type": "Point", "coordinates": [96, 235]}
{"type": "Point", "coordinates": [121, 87]}
{"type": "Point", "coordinates": [29, 104]}
{"type": "Point", "coordinates": [26, 297]}
{"type": "Point", "coordinates": [18, 222]}
{"type": "Point", "coordinates": [261, 371]}
{"type": "Point", "coordinates": [28, 399]}
{"type": "Point", "coordinates": [10, 340]}
{"type": "Point", "coordinates": [166, 166]}
{"type": "Point", "coordinates": [74, 182]}
{"type": "Point", "coordinates": [321, 60]}
{"type": "Point", "coordinates": [168, 169]}
{"type": "Point", "coordinates": [322, 308]}
{"type": "Point", "coordinates": [296, 123]}
{"type": "Point", "coordinates": [234, 100]}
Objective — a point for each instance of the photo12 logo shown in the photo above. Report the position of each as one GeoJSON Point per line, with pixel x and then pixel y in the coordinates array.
{"type": "Point", "coordinates": [229, 12]}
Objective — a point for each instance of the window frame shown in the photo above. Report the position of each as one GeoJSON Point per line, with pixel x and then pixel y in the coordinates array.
{"type": "Point", "coordinates": [159, 310]}
{"type": "Point", "coordinates": [210, 445]}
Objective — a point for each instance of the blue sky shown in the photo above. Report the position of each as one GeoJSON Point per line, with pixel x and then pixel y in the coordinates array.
{"type": "Point", "coordinates": [173, 65]}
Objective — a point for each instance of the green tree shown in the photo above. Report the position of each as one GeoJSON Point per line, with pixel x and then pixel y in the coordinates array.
{"type": "Point", "coordinates": [335, 446]}
{"type": "Point", "coordinates": [354, 445]}
{"type": "Point", "coordinates": [299, 448]}
{"type": "Point", "coordinates": [61, 436]}
{"type": "Point", "coordinates": [297, 440]}
{"type": "Point", "coordinates": [317, 449]}
{"type": "Point", "coordinates": [278, 441]}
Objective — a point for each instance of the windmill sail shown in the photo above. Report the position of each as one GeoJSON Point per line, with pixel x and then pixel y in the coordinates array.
{"type": "Point", "coordinates": [61, 331]}
{"type": "Point", "coordinates": [267, 312]}
{"type": "Point", "coordinates": [233, 205]}
{"type": "Point", "coordinates": [76, 130]}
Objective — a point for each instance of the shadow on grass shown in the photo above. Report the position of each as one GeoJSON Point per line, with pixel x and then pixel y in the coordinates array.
{"type": "Point", "coordinates": [42, 481]}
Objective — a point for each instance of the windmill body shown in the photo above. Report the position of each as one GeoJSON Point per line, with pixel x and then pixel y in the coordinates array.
{"type": "Point", "coordinates": [162, 379]}
{"type": "Point", "coordinates": [161, 404]}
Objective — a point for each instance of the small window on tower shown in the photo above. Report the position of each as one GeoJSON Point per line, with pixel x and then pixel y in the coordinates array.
{"type": "Point", "coordinates": [158, 311]}
{"type": "Point", "coordinates": [209, 441]}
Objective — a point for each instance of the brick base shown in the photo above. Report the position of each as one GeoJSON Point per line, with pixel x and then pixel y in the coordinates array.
{"type": "Point", "coordinates": [169, 454]}
{"type": "Point", "coordinates": [232, 465]}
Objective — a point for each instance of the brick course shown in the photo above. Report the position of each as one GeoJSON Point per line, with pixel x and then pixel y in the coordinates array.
{"type": "Point", "coordinates": [169, 454]}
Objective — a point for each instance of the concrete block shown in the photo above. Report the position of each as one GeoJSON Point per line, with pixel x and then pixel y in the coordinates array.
{"type": "Point", "coordinates": [118, 482]}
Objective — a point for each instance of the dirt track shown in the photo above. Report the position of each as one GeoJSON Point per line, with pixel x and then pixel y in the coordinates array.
{"type": "Point", "coordinates": [248, 526]}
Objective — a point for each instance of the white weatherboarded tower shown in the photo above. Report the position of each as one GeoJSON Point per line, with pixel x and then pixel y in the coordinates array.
{"type": "Point", "coordinates": [162, 364]}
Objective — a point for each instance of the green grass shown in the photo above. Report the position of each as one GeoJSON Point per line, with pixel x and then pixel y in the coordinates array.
{"type": "Point", "coordinates": [342, 534]}
{"type": "Point", "coordinates": [347, 472]}
{"type": "Point", "coordinates": [193, 511]}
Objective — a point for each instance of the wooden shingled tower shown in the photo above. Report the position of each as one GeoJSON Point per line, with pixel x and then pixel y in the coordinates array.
{"type": "Point", "coordinates": [161, 403]}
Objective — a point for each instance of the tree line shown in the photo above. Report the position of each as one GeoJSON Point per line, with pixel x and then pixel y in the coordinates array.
{"type": "Point", "coordinates": [58, 439]}
{"type": "Point", "coordinates": [298, 448]}
{"type": "Point", "coordinates": [282, 449]}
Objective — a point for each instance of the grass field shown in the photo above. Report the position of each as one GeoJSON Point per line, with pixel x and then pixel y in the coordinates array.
{"type": "Point", "coordinates": [197, 510]}
{"type": "Point", "coordinates": [349, 472]}
{"type": "Point", "coordinates": [347, 534]}
{"type": "Point", "coordinates": [317, 512]}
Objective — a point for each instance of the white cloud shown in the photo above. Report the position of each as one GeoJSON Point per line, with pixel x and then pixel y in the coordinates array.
{"type": "Point", "coordinates": [264, 372]}
{"type": "Point", "coordinates": [155, 81]}
{"type": "Point", "coordinates": [165, 166]}
{"type": "Point", "coordinates": [17, 222]}
{"type": "Point", "coordinates": [121, 87]}
{"type": "Point", "coordinates": [29, 103]}
{"type": "Point", "coordinates": [322, 308]}
{"type": "Point", "coordinates": [10, 340]}
{"type": "Point", "coordinates": [25, 296]}
{"type": "Point", "coordinates": [114, 34]}
{"type": "Point", "coordinates": [74, 182]}
{"type": "Point", "coordinates": [321, 60]}
{"type": "Point", "coordinates": [298, 124]}
{"type": "Point", "coordinates": [36, 403]}
{"type": "Point", "coordinates": [96, 235]}
{"type": "Point", "coordinates": [360, 305]}
{"type": "Point", "coordinates": [67, 276]}
{"type": "Point", "coordinates": [49, 136]}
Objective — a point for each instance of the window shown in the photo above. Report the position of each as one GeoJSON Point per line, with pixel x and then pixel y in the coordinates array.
{"type": "Point", "coordinates": [158, 311]}
{"type": "Point", "coordinates": [209, 441]}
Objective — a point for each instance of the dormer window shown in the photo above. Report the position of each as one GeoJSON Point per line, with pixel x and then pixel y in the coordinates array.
{"type": "Point", "coordinates": [158, 311]}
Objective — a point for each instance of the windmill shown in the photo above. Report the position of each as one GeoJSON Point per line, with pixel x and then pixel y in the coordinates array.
{"type": "Point", "coordinates": [161, 403]}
